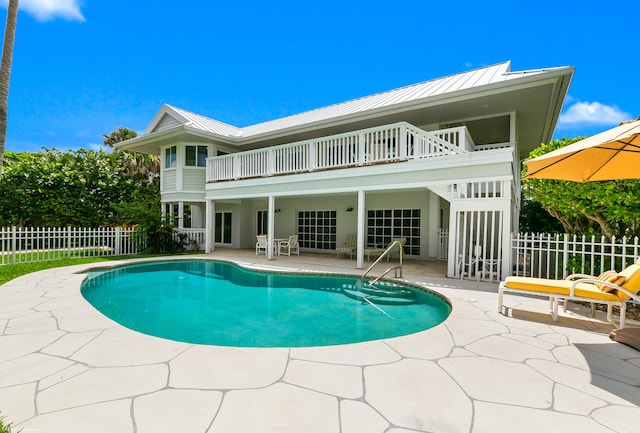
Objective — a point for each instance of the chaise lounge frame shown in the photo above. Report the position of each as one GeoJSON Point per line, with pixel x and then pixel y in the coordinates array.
{"type": "Point", "coordinates": [576, 287]}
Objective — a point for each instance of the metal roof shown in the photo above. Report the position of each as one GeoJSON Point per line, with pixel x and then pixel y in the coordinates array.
{"type": "Point", "coordinates": [194, 120]}
{"type": "Point", "coordinates": [414, 93]}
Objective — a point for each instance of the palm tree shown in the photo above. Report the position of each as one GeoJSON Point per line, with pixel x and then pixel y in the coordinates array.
{"type": "Point", "coordinates": [121, 133]}
{"type": "Point", "coordinates": [134, 164]}
{"type": "Point", "coordinates": [5, 72]}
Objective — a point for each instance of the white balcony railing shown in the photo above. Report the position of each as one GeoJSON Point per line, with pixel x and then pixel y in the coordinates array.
{"type": "Point", "coordinates": [458, 136]}
{"type": "Point", "coordinates": [389, 143]}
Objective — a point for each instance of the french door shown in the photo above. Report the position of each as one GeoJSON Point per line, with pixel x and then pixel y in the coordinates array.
{"type": "Point", "coordinates": [222, 229]}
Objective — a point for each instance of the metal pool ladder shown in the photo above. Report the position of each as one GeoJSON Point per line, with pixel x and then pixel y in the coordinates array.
{"type": "Point", "coordinates": [397, 269]}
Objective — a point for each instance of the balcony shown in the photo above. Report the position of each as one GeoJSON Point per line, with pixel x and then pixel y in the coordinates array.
{"type": "Point", "coordinates": [384, 144]}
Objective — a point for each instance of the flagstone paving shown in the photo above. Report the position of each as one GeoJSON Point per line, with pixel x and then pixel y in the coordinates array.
{"type": "Point", "coordinates": [65, 368]}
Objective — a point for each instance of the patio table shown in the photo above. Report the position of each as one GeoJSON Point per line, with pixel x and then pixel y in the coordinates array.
{"type": "Point", "coordinates": [276, 244]}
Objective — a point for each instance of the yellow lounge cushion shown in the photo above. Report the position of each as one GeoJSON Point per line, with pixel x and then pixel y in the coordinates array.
{"type": "Point", "coordinates": [559, 287]}
{"type": "Point", "coordinates": [632, 279]}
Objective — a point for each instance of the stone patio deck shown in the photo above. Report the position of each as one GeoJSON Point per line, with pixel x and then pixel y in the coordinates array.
{"type": "Point", "coordinates": [65, 368]}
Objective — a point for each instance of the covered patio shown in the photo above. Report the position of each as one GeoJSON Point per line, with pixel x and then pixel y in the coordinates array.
{"type": "Point", "coordinates": [66, 368]}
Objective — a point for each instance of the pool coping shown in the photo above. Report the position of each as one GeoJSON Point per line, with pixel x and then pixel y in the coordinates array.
{"type": "Point", "coordinates": [66, 368]}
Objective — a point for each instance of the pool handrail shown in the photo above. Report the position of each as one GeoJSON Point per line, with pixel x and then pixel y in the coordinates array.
{"type": "Point", "coordinates": [387, 251]}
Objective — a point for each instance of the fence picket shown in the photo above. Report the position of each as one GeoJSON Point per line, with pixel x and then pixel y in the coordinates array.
{"type": "Point", "coordinates": [557, 256]}
{"type": "Point", "coordinates": [38, 244]}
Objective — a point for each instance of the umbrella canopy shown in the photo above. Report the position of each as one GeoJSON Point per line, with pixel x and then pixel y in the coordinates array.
{"type": "Point", "coordinates": [610, 155]}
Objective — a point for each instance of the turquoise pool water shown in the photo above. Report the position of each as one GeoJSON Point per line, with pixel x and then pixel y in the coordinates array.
{"type": "Point", "coordinates": [220, 303]}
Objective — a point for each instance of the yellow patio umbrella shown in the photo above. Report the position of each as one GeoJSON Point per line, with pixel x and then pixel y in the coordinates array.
{"type": "Point", "coordinates": [610, 155]}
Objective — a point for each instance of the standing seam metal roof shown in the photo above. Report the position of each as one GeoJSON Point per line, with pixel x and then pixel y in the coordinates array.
{"type": "Point", "coordinates": [428, 89]}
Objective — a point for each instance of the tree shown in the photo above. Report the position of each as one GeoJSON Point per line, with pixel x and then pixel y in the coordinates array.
{"type": "Point", "coordinates": [610, 208]}
{"type": "Point", "coordinates": [535, 219]}
{"type": "Point", "coordinates": [118, 135]}
{"type": "Point", "coordinates": [138, 165]}
{"type": "Point", "coordinates": [5, 73]}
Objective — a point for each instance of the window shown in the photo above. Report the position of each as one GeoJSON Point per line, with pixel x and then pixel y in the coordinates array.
{"type": "Point", "coordinates": [262, 222]}
{"type": "Point", "coordinates": [170, 157]}
{"type": "Point", "coordinates": [222, 229]}
{"type": "Point", "coordinates": [317, 229]}
{"type": "Point", "coordinates": [385, 224]}
{"type": "Point", "coordinates": [196, 156]}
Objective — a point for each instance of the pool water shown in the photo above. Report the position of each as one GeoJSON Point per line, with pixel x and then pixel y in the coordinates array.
{"type": "Point", "coordinates": [220, 303]}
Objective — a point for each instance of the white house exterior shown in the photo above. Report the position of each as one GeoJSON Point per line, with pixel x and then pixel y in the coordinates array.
{"type": "Point", "coordinates": [415, 162]}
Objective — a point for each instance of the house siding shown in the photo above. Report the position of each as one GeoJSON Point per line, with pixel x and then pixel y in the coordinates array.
{"type": "Point", "coordinates": [193, 179]}
{"type": "Point", "coordinates": [169, 181]}
{"type": "Point", "coordinates": [167, 122]}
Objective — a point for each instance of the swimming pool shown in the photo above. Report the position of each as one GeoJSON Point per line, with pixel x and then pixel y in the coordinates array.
{"type": "Point", "coordinates": [221, 303]}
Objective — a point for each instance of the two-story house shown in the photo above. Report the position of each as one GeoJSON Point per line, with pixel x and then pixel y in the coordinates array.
{"type": "Point", "coordinates": [437, 163]}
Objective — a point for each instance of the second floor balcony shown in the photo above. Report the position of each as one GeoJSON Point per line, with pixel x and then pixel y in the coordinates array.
{"type": "Point", "coordinates": [384, 144]}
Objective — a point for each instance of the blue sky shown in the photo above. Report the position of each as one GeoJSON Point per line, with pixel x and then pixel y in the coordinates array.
{"type": "Point", "coordinates": [81, 68]}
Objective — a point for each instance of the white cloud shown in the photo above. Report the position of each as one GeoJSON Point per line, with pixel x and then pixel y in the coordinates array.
{"type": "Point", "coordinates": [592, 113]}
{"type": "Point", "coordinates": [44, 10]}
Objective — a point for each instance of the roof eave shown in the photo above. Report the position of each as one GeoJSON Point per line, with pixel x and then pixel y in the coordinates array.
{"type": "Point", "coordinates": [152, 143]}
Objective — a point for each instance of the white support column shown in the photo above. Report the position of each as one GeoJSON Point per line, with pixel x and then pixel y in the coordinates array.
{"type": "Point", "coordinates": [272, 226]}
{"type": "Point", "coordinates": [180, 216]}
{"type": "Point", "coordinates": [360, 231]}
{"type": "Point", "coordinates": [209, 218]}
{"type": "Point", "coordinates": [433, 222]}
{"type": "Point", "coordinates": [452, 261]}
{"type": "Point", "coordinates": [507, 267]}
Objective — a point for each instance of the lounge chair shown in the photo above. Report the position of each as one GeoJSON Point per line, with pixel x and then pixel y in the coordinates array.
{"type": "Point", "coordinates": [377, 251]}
{"type": "Point", "coordinates": [289, 246]}
{"type": "Point", "coordinates": [262, 244]}
{"type": "Point", "coordinates": [606, 289]}
{"type": "Point", "coordinates": [350, 245]}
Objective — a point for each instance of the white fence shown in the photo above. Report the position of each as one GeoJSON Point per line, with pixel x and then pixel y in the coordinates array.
{"type": "Point", "coordinates": [559, 255]}
{"type": "Point", "coordinates": [39, 244]}
{"type": "Point", "coordinates": [192, 239]}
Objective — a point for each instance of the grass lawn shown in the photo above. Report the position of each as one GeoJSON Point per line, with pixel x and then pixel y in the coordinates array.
{"type": "Point", "coordinates": [9, 272]}
{"type": "Point", "coordinates": [4, 428]}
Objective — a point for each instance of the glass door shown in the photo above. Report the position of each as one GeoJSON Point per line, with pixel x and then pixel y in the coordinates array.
{"type": "Point", "coordinates": [222, 229]}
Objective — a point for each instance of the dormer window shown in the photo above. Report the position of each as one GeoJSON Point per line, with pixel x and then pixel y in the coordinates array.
{"type": "Point", "coordinates": [196, 156]}
{"type": "Point", "coordinates": [170, 157]}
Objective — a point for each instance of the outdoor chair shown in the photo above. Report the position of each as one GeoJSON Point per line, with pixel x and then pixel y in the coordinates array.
{"type": "Point", "coordinates": [477, 265]}
{"type": "Point", "coordinates": [262, 244]}
{"type": "Point", "coordinates": [610, 288]}
{"type": "Point", "coordinates": [377, 251]}
{"type": "Point", "coordinates": [350, 245]}
{"type": "Point", "coordinates": [290, 246]}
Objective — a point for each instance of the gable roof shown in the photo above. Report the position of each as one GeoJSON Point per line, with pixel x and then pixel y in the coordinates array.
{"type": "Point", "coordinates": [409, 94]}
{"type": "Point", "coordinates": [482, 82]}
{"type": "Point", "coordinates": [169, 117]}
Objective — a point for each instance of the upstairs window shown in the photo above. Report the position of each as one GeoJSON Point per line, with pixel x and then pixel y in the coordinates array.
{"type": "Point", "coordinates": [196, 156]}
{"type": "Point", "coordinates": [170, 157]}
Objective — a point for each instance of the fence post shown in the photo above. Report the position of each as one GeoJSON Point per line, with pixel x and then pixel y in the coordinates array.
{"type": "Point", "coordinates": [117, 245]}
{"type": "Point", "coordinates": [13, 245]}
{"type": "Point", "coordinates": [402, 151]}
{"type": "Point", "coordinates": [565, 255]}
{"type": "Point", "coordinates": [361, 149]}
